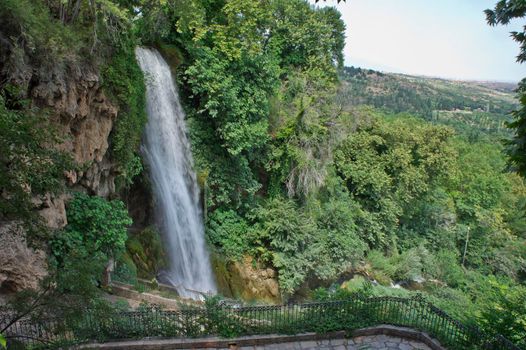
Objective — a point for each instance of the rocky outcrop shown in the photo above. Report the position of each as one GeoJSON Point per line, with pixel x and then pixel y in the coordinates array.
{"type": "Point", "coordinates": [246, 280]}
{"type": "Point", "coordinates": [21, 267]}
{"type": "Point", "coordinates": [52, 209]}
{"type": "Point", "coordinates": [84, 117]}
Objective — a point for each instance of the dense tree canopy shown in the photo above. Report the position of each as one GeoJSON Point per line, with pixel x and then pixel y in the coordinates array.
{"type": "Point", "coordinates": [293, 175]}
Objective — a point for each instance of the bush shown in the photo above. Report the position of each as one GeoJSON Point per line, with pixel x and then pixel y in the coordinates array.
{"type": "Point", "coordinates": [124, 81]}
{"type": "Point", "coordinates": [28, 166]}
{"type": "Point", "coordinates": [228, 230]}
{"type": "Point", "coordinates": [95, 227]}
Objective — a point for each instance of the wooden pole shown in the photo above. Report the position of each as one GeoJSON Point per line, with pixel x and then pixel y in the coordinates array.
{"type": "Point", "coordinates": [465, 248]}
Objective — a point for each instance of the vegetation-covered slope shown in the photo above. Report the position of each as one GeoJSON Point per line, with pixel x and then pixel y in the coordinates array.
{"type": "Point", "coordinates": [469, 107]}
{"type": "Point", "coordinates": [298, 176]}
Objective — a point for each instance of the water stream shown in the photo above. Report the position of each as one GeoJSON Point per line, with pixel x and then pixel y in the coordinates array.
{"type": "Point", "coordinates": [167, 152]}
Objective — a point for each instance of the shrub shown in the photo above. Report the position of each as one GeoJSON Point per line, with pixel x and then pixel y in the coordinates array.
{"type": "Point", "coordinates": [95, 227]}
{"type": "Point", "coordinates": [228, 230]}
{"type": "Point", "coordinates": [124, 81]}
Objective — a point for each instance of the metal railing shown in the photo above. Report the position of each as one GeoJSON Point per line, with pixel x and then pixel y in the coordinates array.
{"type": "Point", "coordinates": [230, 321]}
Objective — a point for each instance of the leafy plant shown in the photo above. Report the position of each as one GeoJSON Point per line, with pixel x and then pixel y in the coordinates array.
{"type": "Point", "coordinates": [230, 232]}
{"type": "Point", "coordinates": [95, 226]}
{"type": "Point", "coordinates": [505, 313]}
{"type": "Point", "coordinates": [124, 81]}
{"type": "Point", "coordinates": [503, 13]}
{"type": "Point", "coordinates": [29, 165]}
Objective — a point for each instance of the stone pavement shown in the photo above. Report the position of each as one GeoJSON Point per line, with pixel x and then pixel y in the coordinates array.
{"type": "Point", "coordinates": [372, 338]}
{"type": "Point", "coordinates": [375, 342]}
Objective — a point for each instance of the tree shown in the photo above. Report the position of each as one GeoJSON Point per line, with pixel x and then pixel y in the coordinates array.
{"type": "Point", "coordinates": [96, 227]}
{"type": "Point", "coordinates": [96, 231]}
{"type": "Point", "coordinates": [503, 13]}
{"type": "Point", "coordinates": [389, 165]}
{"type": "Point", "coordinates": [64, 295]}
{"type": "Point", "coordinates": [504, 312]}
{"type": "Point", "coordinates": [28, 166]}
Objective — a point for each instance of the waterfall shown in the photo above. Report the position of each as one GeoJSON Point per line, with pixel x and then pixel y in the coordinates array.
{"type": "Point", "coordinates": [167, 152]}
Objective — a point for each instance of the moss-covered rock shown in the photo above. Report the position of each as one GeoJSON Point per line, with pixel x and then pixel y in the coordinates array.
{"type": "Point", "coordinates": [146, 250]}
{"type": "Point", "coordinates": [246, 280]}
{"type": "Point", "coordinates": [125, 269]}
{"type": "Point", "coordinates": [171, 53]}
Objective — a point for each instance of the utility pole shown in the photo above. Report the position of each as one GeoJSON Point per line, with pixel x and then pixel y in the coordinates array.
{"type": "Point", "coordinates": [465, 247]}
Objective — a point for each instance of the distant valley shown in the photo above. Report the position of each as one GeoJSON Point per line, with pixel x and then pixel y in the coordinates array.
{"type": "Point", "coordinates": [467, 106]}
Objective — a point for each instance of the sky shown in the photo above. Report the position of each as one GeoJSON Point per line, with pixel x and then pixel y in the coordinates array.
{"type": "Point", "coordinates": [441, 38]}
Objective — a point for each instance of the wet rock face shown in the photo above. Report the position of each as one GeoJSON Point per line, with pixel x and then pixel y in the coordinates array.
{"type": "Point", "coordinates": [246, 280]}
{"type": "Point", "coordinates": [21, 267]}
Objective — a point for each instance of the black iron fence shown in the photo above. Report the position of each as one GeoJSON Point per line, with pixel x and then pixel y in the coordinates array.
{"type": "Point", "coordinates": [230, 321]}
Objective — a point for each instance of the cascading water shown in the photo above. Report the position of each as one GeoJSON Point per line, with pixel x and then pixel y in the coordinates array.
{"type": "Point", "coordinates": [168, 154]}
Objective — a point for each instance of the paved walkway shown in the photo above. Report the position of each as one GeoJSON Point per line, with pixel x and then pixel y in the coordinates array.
{"type": "Point", "coordinates": [377, 342]}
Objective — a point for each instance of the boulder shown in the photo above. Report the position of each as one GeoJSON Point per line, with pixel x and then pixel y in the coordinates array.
{"type": "Point", "coordinates": [246, 280]}
{"type": "Point", "coordinates": [22, 267]}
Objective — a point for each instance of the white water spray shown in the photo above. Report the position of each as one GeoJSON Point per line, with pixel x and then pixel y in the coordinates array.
{"type": "Point", "coordinates": [167, 151]}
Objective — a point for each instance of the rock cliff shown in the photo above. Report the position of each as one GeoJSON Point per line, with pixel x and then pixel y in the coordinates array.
{"type": "Point", "coordinates": [84, 117]}
{"type": "Point", "coordinates": [20, 266]}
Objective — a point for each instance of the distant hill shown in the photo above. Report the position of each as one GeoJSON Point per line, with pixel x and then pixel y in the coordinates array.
{"type": "Point", "coordinates": [465, 105]}
{"type": "Point", "coordinates": [497, 85]}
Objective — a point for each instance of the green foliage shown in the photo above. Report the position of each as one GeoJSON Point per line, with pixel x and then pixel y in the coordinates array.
{"type": "Point", "coordinates": [405, 266]}
{"type": "Point", "coordinates": [444, 266]}
{"type": "Point", "coordinates": [516, 148]}
{"type": "Point", "coordinates": [123, 79]}
{"type": "Point", "coordinates": [228, 231]}
{"type": "Point", "coordinates": [145, 249]}
{"type": "Point", "coordinates": [95, 226]}
{"type": "Point", "coordinates": [219, 320]}
{"type": "Point", "coordinates": [231, 113]}
{"type": "Point", "coordinates": [388, 165]}
{"type": "Point", "coordinates": [505, 313]}
{"type": "Point", "coordinates": [125, 270]}
{"type": "Point", "coordinates": [29, 28]}
{"type": "Point", "coordinates": [337, 236]}
{"type": "Point", "coordinates": [289, 235]}
{"type": "Point", "coordinates": [503, 13]}
{"type": "Point", "coordinates": [318, 242]}
{"type": "Point", "coordinates": [301, 150]}
{"type": "Point", "coordinates": [28, 165]}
